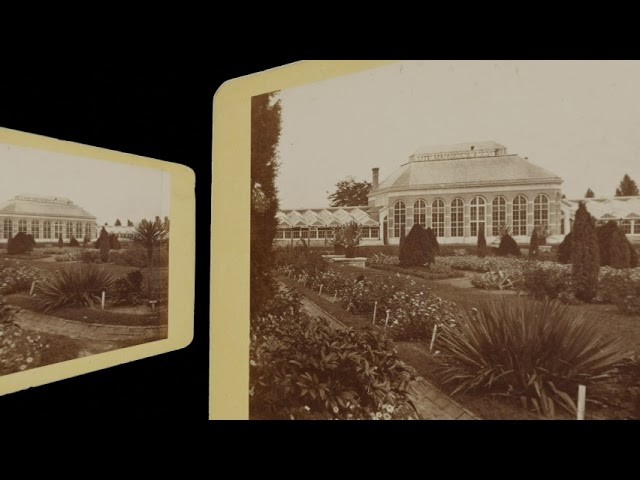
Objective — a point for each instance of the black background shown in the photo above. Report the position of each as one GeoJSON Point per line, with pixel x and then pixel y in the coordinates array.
{"type": "Point", "coordinates": [160, 110]}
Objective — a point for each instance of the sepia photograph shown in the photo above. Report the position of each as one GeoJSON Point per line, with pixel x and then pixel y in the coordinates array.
{"type": "Point", "coordinates": [430, 240]}
{"type": "Point", "coordinates": [84, 256]}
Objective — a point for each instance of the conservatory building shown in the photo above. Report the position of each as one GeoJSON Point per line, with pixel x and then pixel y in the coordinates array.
{"type": "Point", "coordinates": [45, 218]}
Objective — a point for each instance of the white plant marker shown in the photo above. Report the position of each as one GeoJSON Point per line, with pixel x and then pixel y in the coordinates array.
{"type": "Point", "coordinates": [305, 282]}
{"type": "Point", "coordinates": [433, 337]}
{"type": "Point", "coordinates": [386, 322]}
{"type": "Point", "coordinates": [375, 309]}
{"type": "Point", "coordinates": [103, 295]}
{"type": "Point", "coordinates": [334, 297]}
{"type": "Point", "coordinates": [320, 293]}
{"type": "Point", "coordinates": [582, 399]}
{"type": "Point", "coordinates": [33, 285]}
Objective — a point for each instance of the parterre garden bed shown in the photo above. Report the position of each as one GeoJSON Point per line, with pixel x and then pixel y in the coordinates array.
{"type": "Point", "coordinates": [417, 305]}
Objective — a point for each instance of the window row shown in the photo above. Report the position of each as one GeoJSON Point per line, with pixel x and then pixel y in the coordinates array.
{"type": "Point", "coordinates": [630, 227]}
{"type": "Point", "coordinates": [477, 212]}
{"type": "Point", "coordinates": [315, 233]}
{"type": "Point", "coordinates": [47, 229]}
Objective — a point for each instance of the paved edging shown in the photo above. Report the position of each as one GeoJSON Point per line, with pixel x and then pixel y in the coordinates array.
{"type": "Point", "coordinates": [69, 328]}
{"type": "Point", "coordinates": [431, 402]}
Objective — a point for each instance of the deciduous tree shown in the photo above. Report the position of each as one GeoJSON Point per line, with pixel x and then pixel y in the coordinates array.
{"type": "Point", "coordinates": [350, 193]}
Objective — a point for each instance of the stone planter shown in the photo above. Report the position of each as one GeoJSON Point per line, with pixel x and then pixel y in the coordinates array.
{"type": "Point", "coordinates": [350, 252]}
{"type": "Point", "coordinates": [338, 250]}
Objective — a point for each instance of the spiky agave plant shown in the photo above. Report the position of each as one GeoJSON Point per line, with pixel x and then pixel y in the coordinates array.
{"type": "Point", "coordinates": [150, 236]}
{"type": "Point", "coordinates": [81, 285]}
{"type": "Point", "coordinates": [539, 351]}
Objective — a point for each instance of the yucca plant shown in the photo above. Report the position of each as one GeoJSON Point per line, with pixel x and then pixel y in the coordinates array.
{"type": "Point", "coordinates": [537, 351]}
{"type": "Point", "coordinates": [150, 236]}
{"type": "Point", "coordinates": [76, 285]}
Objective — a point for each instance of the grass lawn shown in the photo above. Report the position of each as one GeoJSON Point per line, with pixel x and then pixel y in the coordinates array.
{"type": "Point", "coordinates": [618, 396]}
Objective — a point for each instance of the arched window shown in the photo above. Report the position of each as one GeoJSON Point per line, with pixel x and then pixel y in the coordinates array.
{"type": "Point", "coordinates": [437, 217]}
{"type": "Point", "coordinates": [499, 215]}
{"type": "Point", "coordinates": [626, 226]}
{"type": "Point", "coordinates": [87, 230]}
{"type": "Point", "coordinates": [636, 227]}
{"type": "Point", "coordinates": [478, 215]}
{"type": "Point", "coordinates": [57, 228]}
{"type": "Point", "coordinates": [520, 215]}
{"type": "Point", "coordinates": [399, 219]}
{"type": "Point", "coordinates": [22, 226]}
{"type": "Point", "coordinates": [78, 230]}
{"type": "Point", "coordinates": [35, 229]}
{"type": "Point", "coordinates": [420, 213]}
{"type": "Point", "coordinates": [541, 210]}
{"type": "Point", "coordinates": [46, 227]}
{"type": "Point", "coordinates": [8, 228]}
{"type": "Point", "coordinates": [69, 230]}
{"type": "Point", "coordinates": [457, 218]}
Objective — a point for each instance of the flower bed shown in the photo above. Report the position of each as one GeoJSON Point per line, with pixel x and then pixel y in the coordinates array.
{"type": "Point", "coordinates": [620, 287]}
{"type": "Point", "coordinates": [17, 277]}
{"type": "Point", "coordinates": [435, 272]}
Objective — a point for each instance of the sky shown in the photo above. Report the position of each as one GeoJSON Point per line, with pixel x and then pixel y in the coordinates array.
{"type": "Point", "coordinates": [578, 119]}
{"type": "Point", "coordinates": [108, 190]}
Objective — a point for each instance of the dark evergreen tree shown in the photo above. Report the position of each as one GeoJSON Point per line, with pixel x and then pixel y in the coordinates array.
{"type": "Point", "coordinates": [103, 245]}
{"type": "Point", "coordinates": [86, 240]}
{"type": "Point", "coordinates": [589, 194]}
{"type": "Point", "coordinates": [564, 249]}
{"type": "Point", "coordinates": [482, 242]}
{"type": "Point", "coordinates": [20, 244]}
{"type": "Point", "coordinates": [627, 188]}
{"type": "Point", "coordinates": [114, 243]}
{"type": "Point", "coordinates": [414, 249]}
{"type": "Point", "coordinates": [73, 242]}
{"type": "Point", "coordinates": [117, 224]}
{"type": "Point", "coordinates": [265, 136]}
{"type": "Point", "coordinates": [633, 256]}
{"type": "Point", "coordinates": [60, 241]}
{"type": "Point", "coordinates": [585, 255]}
{"type": "Point", "coordinates": [433, 245]}
{"type": "Point", "coordinates": [508, 246]}
{"type": "Point", "coordinates": [615, 249]}
{"type": "Point", "coordinates": [534, 244]}
{"type": "Point", "coordinates": [130, 223]}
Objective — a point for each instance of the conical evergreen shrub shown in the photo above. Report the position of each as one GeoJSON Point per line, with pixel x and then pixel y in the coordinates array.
{"type": "Point", "coordinates": [534, 244]}
{"type": "Point", "coordinates": [414, 248]}
{"type": "Point", "coordinates": [585, 255]}
{"type": "Point", "coordinates": [508, 246]}
{"type": "Point", "coordinates": [73, 242]}
{"type": "Point", "coordinates": [482, 242]}
{"type": "Point", "coordinates": [432, 242]}
{"type": "Point", "coordinates": [564, 249]}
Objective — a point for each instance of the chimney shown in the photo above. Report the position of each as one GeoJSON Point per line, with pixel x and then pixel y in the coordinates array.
{"type": "Point", "coordinates": [374, 182]}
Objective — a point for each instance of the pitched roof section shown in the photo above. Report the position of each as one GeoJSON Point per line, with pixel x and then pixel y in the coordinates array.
{"type": "Point", "coordinates": [460, 147]}
{"type": "Point", "coordinates": [461, 172]}
{"type": "Point", "coordinates": [327, 217]}
{"type": "Point", "coordinates": [610, 208]}
{"type": "Point", "coordinates": [39, 205]}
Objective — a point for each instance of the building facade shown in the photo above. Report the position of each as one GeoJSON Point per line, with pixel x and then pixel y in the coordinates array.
{"type": "Point", "coordinates": [625, 211]}
{"type": "Point", "coordinates": [45, 218]}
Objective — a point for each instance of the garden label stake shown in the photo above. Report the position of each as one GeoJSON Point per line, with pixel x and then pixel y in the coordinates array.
{"type": "Point", "coordinates": [103, 294]}
{"type": "Point", "coordinates": [334, 297]}
{"type": "Point", "coordinates": [320, 293]}
{"type": "Point", "coordinates": [32, 287]}
{"type": "Point", "coordinates": [433, 337]}
{"type": "Point", "coordinates": [582, 399]}
{"type": "Point", "coordinates": [386, 322]}
{"type": "Point", "coordinates": [375, 308]}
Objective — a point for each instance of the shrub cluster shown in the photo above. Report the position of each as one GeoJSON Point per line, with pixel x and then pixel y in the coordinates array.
{"type": "Point", "coordinates": [21, 243]}
{"type": "Point", "coordinates": [620, 287]}
{"type": "Point", "coordinates": [127, 290]}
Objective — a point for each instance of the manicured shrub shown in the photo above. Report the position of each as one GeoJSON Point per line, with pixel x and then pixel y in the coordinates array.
{"type": "Point", "coordinates": [414, 249]}
{"type": "Point", "coordinates": [508, 246]}
{"type": "Point", "coordinates": [435, 272]}
{"type": "Point", "coordinates": [86, 241]}
{"type": "Point", "coordinates": [537, 351]}
{"type": "Point", "coordinates": [60, 241]}
{"type": "Point", "coordinates": [432, 242]}
{"type": "Point", "coordinates": [310, 370]}
{"type": "Point", "coordinates": [75, 285]}
{"type": "Point", "coordinates": [614, 247]}
{"type": "Point", "coordinates": [565, 249]}
{"type": "Point", "coordinates": [620, 287]}
{"type": "Point", "coordinates": [20, 244]}
{"type": "Point", "coordinates": [104, 245]}
{"type": "Point", "coordinates": [114, 243]}
{"type": "Point", "coordinates": [482, 242]}
{"type": "Point", "coordinates": [585, 255]}
{"type": "Point", "coordinates": [534, 244]}
{"type": "Point", "coordinates": [73, 242]}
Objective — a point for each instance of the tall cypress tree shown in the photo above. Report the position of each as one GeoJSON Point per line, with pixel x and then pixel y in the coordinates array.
{"type": "Point", "coordinates": [482, 242]}
{"type": "Point", "coordinates": [534, 243]}
{"type": "Point", "coordinates": [265, 136]}
{"type": "Point", "coordinates": [104, 246]}
{"type": "Point", "coordinates": [585, 255]}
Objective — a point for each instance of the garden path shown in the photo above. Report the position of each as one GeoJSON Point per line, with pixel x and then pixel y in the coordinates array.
{"type": "Point", "coordinates": [430, 402]}
{"type": "Point", "coordinates": [60, 326]}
